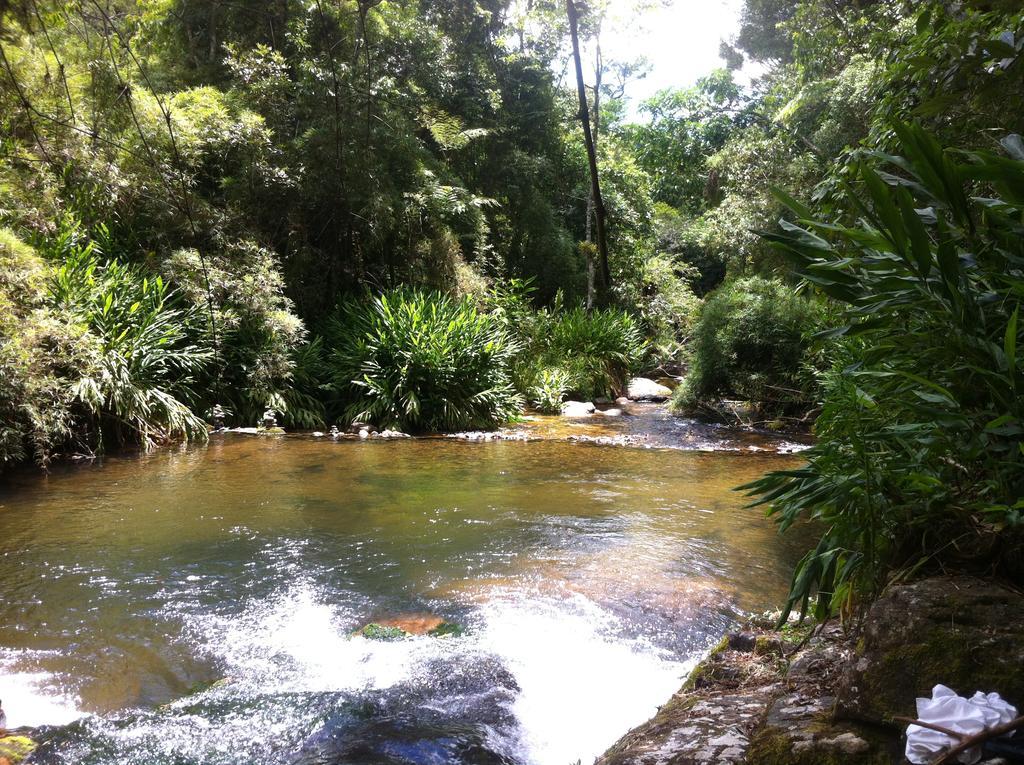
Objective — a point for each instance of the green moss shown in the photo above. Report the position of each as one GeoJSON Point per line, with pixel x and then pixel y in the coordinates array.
{"type": "Point", "coordinates": [16, 748]}
{"type": "Point", "coordinates": [704, 672]}
{"type": "Point", "coordinates": [447, 629]}
{"type": "Point", "coordinates": [380, 632]}
{"type": "Point", "coordinates": [942, 655]}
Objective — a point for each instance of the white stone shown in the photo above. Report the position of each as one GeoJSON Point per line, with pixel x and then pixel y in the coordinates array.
{"type": "Point", "coordinates": [577, 409]}
{"type": "Point", "coordinates": [644, 389]}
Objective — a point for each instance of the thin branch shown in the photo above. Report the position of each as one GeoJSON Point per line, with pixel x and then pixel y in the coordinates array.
{"type": "Point", "coordinates": [969, 742]}
{"type": "Point", "coordinates": [956, 735]}
{"type": "Point", "coordinates": [56, 56]}
{"type": "Point", "coordinates": [27, 106]}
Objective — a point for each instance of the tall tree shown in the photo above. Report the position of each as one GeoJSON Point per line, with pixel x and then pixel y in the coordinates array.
{"type": "Point", "coordinates": [588, 137]}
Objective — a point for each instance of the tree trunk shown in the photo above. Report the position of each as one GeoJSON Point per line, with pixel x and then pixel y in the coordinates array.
{"type": "Point", "coordinates": [588, 137]}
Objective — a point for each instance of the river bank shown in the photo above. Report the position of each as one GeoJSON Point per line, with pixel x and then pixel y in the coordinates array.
{"type": "Point", "coordinates": [793, 697]}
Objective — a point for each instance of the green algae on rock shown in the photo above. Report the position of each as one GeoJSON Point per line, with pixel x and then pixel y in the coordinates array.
{"type": "Point", "coordinates": [15, 749]}
{"type": "Point", "coordinates": [374, 631]}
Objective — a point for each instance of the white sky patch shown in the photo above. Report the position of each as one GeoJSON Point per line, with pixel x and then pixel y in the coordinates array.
{"type": "Point", "coordinates": [680, 42]}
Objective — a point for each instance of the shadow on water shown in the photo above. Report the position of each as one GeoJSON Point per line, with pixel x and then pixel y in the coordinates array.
{"type": "Point", "coordinates": [197, 605]}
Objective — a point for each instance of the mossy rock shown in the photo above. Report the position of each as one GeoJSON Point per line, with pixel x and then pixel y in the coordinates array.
{"type": "Point", "coordinates": [821, 743]}
{"type": "Point", "coordinates": [767, 645]}
{"type": "Point", "coordinates": [447, 629]}
{"type": "Point", "coordinates": [375, 631]}
{"type": "Point", "coordinates": [14, 749]}
{"type": "Point", "coordinates": [704, 673]}
{"type": "Point", "coordinates": [962, 632]}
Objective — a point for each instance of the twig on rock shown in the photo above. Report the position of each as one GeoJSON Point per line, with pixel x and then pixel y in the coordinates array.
{"type": "Point", "coordinates": [932, 726]}
{"type": "Point", "coordinates": [969, 742]}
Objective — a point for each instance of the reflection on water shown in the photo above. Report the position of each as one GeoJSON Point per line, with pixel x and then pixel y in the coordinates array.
{"type": "Point", "coordinates": [589, 579]}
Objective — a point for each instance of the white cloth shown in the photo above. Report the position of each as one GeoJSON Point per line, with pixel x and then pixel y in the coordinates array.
{"type": "Point", "coordinates": [968, 716]}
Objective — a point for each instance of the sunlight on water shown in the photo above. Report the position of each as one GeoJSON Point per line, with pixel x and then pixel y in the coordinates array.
{"type": "Point", "coordinates": [197, 608]}
{"type": "Point", "coordinates": [29, 698]}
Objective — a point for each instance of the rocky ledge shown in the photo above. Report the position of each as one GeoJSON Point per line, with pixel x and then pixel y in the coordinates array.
{"type": "Point", "coordinates": [792, 697]}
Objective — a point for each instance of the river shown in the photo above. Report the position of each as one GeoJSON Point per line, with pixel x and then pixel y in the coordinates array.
{"type": "Point", "coordinates": [196, 605]}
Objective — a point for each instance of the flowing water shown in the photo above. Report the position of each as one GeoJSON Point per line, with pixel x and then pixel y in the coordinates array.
{"type": "Point", "coordinates": [196, 607]}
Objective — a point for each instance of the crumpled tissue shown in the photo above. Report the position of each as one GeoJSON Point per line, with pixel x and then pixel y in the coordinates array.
{"type": "Point", "coordinates": [967, 716]}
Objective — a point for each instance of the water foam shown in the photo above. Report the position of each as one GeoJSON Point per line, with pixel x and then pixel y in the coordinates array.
{"type": "Point", "coordinates": [33, 698]}
{"type": "Point", "coordinates": [581, 684]}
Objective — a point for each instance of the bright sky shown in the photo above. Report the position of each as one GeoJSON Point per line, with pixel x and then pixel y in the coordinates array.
{"type": "Point", "coordinates": [680, 42]}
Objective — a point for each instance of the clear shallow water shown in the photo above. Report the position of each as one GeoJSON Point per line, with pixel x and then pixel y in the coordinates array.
{"type": "Point", "coordinates": [590, 579]}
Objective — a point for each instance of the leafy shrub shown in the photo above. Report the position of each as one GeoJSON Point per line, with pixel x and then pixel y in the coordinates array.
{"type": "Point", "coordinates": [421, 362]}
{"type": "Point", "coordinates": [36, 351]}
{"type": "Point", "coordinates": [920, 456]}
{"type": "Point", "coordinates": [142, 385]}
{"type": "Point", "coordinates": [669, 308]}
{"type": "Point", "coordinates": [258, 338]}
{"type": "Point", "coordinates": [597, 350]}
{"type": "Point", "coordinates": [752, 343]}
{"type": "Point", "coordinates": [548, 393]}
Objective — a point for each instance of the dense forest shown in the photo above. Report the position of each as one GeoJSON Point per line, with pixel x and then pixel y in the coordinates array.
{"type": "Point", "coordinates": [382, 211]}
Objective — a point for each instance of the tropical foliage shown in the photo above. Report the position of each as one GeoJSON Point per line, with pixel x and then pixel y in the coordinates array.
{"type": "Point", "coordinates": [753, 343]}
{"type": "Point", "coordinates": [921, 451]}
{"type": "Point", "coordinates": [421, 362]}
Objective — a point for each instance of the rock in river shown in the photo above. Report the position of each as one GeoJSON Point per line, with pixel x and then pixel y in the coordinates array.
{"type": "Point", "coordinates": [577, 409]}
{"type": "Point", "coordinates": [644, 389]}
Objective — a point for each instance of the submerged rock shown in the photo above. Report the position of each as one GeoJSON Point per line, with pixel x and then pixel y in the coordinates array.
{"type": "Point", "coordinates": [644, 389]}
{"type": "Point", "coordinates": [455, 711]}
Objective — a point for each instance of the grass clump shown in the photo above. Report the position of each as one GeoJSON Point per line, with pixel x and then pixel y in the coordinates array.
{"type": "Point", "coordinates": [143, 383]}
{"type": "Point", "coordinates": [421, 361]}
{"type": "Point", "coordinates": [596, 350]}
{"type": "Point", "coordinates": [548, 392]}
{"type": "Point", "coordinates": [566, 351]}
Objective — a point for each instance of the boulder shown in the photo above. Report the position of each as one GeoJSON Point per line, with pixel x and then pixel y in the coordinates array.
{"type": "Point", "coordinates": [753, 701]}
{"type": "Point", "coordinates": [799, 730]}
{"type": "Point", "coordinates": [695, 729]}
{"type": "Point", "coordinates": [959, 631]}
{"type": "Point", "coordinates": [577, 409]}
{"type": "Point", "coordinates": [644, 389]}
